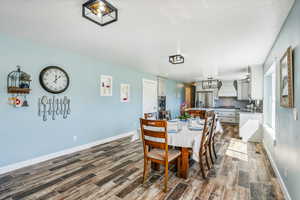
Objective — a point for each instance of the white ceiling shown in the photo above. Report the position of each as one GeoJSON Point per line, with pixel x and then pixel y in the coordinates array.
{"type": "Point", "coordinates": [216, 37]}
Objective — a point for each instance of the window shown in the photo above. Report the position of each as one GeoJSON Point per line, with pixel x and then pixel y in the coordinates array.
{"type": "Point", "coordinates": [270, 98]}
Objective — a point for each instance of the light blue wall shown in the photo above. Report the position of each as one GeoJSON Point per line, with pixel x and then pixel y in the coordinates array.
{"type": "Point", "coordinates": [23, 135]}
{"type": "Point", "coordinates": [286, 153]}
{"type": "Point", "coordinates": [173, 91]}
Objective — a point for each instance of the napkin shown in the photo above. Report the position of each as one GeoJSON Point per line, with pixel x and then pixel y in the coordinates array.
{"type": "Point", "coordinates": [195, 126]}
{"type": "Point", "coordinates": [173, 127]}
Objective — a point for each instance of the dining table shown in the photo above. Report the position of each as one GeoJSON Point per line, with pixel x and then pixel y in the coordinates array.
{"type": "Point", "coordinates": [186, 137]}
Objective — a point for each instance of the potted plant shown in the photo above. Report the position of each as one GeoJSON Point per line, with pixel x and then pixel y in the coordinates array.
{"type": "Point", "coordinates": [184, 117]}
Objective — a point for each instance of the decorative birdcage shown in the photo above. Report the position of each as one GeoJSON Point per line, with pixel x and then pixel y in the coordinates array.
{"type": "Point", "coordinates": [18, 82]}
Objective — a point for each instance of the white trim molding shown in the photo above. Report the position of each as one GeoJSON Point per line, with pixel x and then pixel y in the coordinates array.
{"type": "Point", "coordinates": [33, 161]}
{"type": "Point", "coordinates": [282, 184]}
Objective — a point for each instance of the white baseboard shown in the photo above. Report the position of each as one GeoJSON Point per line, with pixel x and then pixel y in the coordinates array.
{"type": "Point", "coordinates": [283, 187]}
{"type": "Point", "coordinates": [33, 161]}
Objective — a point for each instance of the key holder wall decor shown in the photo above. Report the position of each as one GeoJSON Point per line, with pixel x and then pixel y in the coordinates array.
{"type": "Point", "coordinates": [18, 85]}
{"type": "Point", "coordinates": [52, 107]}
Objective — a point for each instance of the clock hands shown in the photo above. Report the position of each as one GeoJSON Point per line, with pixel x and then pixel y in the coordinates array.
{"type": "Point", "coordinates": [56, 78]}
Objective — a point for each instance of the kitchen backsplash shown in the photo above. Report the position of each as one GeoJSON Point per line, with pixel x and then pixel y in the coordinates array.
{"type": "Point", "coordinates": [231, 102]}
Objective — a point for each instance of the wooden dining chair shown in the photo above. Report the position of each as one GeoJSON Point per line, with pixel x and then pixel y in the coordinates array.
{"type": "Point", "coordinates": [197, 113]}
{"type": "Point", "coordinates": [204, 147]}
{"type": "Point", "coordinates": [152, 116]}
{"type": "Point", "coordinates": [154, 135]}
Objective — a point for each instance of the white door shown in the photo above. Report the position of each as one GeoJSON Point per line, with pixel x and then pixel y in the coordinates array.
{"type": "Point", "coordinates": [149, 96]}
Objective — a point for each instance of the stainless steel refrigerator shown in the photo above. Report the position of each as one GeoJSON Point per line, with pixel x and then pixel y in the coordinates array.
{"type": "Point", "coordinates": [205, 99]}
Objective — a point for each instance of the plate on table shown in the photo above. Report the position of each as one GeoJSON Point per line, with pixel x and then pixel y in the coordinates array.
{"type": "Point", "coordinates": [195, 128]}
{"type": "Point", "coordinates": [173, 120]}
{"type": "Point", "coordinates": [173, 131]}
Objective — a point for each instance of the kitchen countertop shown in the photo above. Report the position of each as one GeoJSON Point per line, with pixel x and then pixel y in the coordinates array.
{"type": "Point", "coordinates": [227, 109]}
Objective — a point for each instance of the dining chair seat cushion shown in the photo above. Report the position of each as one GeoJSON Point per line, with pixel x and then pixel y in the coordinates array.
{"type": "Point", "coordinates": [159, 154]}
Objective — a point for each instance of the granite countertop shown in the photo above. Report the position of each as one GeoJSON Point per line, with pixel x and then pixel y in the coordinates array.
{"type": "Point", "coordinates": [242, 110]}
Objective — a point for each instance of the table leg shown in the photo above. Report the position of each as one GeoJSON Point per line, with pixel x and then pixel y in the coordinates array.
{"type": "Point", "coordinates": [184, 163]}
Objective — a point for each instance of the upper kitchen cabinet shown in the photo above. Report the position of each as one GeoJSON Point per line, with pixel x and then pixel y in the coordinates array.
{"type": "Point", "coordinates": [243, 89]}
{"type": "Point", "coordinates": [256, 82]}
{"type": "Point", "coordinates": [227, 89]}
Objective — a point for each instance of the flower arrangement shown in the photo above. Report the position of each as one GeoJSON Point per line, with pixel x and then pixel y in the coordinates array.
{"type": "Point", "coordinates": [184, 116]}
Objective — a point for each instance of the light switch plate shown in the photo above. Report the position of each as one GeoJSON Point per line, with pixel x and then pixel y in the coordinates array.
{"type": "Point", "coordinates": [295, 113]}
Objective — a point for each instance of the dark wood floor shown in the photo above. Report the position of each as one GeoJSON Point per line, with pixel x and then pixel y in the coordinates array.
{"type": "Point", "coordinates": [114, 171]}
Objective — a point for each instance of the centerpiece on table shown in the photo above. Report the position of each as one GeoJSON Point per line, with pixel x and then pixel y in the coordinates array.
{"type": "Point", "coordinates": [184, 117]}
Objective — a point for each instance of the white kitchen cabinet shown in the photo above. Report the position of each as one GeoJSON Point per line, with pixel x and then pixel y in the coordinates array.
{"type": "Point", "coordinates": [256, 79]}
{"type": "Point", "coordinates": [243, 92]}
{"type": "Point", "coordinates": [251, 126]}
{"type": "Point", "coordinates": [227, 89]}
{"type": "Point", "coordinates": [228, 115]}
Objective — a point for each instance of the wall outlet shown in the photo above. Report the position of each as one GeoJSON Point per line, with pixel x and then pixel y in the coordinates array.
{"type": "Point", "coordinates": [74, 138]}
{"type": "Point", "coordinates": [295, 113]}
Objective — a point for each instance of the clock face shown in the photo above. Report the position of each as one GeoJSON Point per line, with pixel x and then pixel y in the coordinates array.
{"type": "Point", "coordinates": [54, 79]}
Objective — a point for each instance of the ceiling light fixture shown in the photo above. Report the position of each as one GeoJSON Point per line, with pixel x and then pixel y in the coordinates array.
{"type": "Point", "coordinates": [100, 12]}
{"type": "Point", "coordinates": [176, 59]}
{"type": "Point", "coordinates": [210, 83]}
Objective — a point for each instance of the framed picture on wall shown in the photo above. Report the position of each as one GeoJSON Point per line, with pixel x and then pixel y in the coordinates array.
{"type": "Point", "coordinates": [106, 85]}
{"type": "Point", "coordinates": [125, 93]}
{"type": "Point", "coordinates": [287, 79]}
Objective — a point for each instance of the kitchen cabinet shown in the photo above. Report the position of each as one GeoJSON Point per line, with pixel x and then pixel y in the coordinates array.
{"type": "Point", "coordinates": [243, 90]}
{"type": "Point", "coordinates": [251, 126]}
{"type": "Point", "coordinates": [256, 82]}
{"type": "Point", "coordinates": [228, 115]}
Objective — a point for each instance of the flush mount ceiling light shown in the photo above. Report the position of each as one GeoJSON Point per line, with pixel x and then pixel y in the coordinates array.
{"type": "Point", "coordinates": [100, 12]}
{"type": "Point", "coordinates": [176, 59]}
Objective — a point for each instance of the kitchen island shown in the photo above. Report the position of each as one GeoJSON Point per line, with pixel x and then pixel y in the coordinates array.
{"type": "Point", "coordinates": [225, 114]}
{"type": "Point", "coordinates": [249, 122]}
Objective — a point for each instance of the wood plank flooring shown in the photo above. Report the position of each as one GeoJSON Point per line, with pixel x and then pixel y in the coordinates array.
{"type": "Point", "coordinates": [114, 171]}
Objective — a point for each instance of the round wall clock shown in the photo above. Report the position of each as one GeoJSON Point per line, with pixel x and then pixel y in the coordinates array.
{"type": "Point", "coordinates": [54, 79]}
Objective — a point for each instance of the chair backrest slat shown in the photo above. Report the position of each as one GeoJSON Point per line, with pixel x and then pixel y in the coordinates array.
{"type": "Point", "coordinates": [155, 134]}
{"type": "Point", "coordinates": [154, 123]}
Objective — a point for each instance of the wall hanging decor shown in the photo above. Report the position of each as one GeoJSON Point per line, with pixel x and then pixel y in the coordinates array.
{"type": "Point", "coordinates": [54, 79]}
{"type": "Point", "coordinates": [287, 79]}
{"type": "Point", "coordinates": [18, 85]}
{"type": "Point", "coordinates": [125, 93]}
{"type": "Point", "coordinates": [100, 12]}
{"type": "Point", "coordinates": [106, 85]}
{"type": "Point", "coordinates": [52, 107]}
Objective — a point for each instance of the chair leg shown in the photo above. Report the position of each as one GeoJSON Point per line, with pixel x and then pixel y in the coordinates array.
{"type": "Point", "coordinates": [210, 154]}
{"type": "Point", "coordinates": [213, 147]}
{"type": "Point", "coordinates": [166, 178]}
{"type": "Point", "coordinates": [207, 161]}
{"type": "Point", "coordinates": [178, 166]}
{"type": "Point", "coordinates": [202, 167]}
{"type": "Point", "coordinates": [145, 170]}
